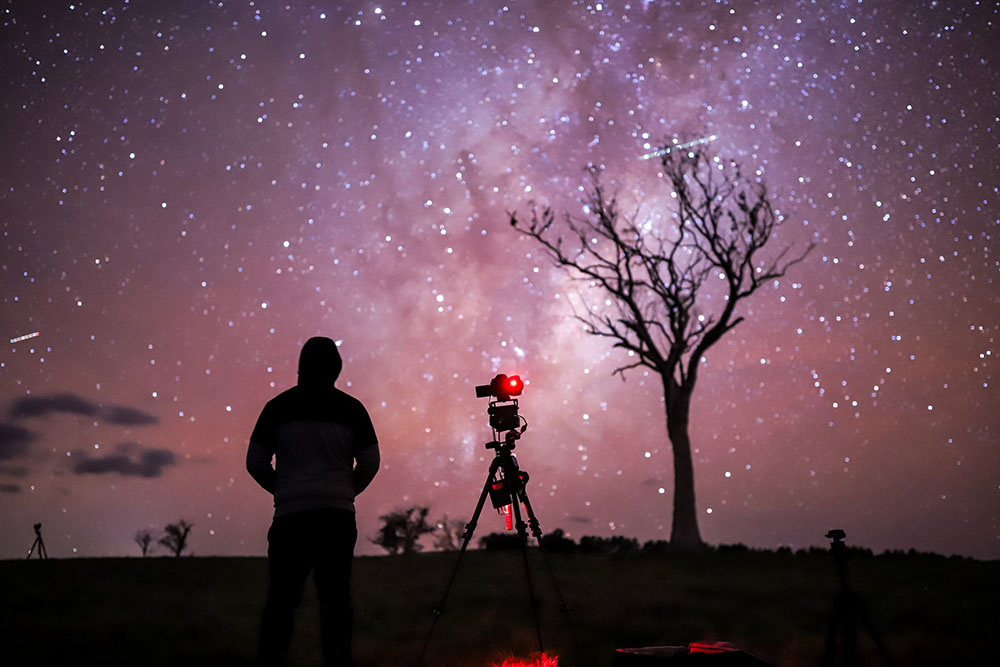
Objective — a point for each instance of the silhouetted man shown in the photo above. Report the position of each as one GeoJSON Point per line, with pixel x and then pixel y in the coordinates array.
{"type": "Point", "coordinates": [315, 433]}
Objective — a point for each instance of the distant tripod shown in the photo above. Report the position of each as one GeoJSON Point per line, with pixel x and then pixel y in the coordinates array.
{"type": "Point", "coordinates": [39, 543]}
{"type": "Point", "coordinates": [505, 485]}
{"type": "Point", "coordinates": [848, 608]}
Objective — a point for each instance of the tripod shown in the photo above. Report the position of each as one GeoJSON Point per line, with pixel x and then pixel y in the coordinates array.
{"type": "Point", "coordinates": [505, 486]}
{"type": "Point", "coordinates": [848, 608]}
{"type": "Point", "coordinates": [39, 543]}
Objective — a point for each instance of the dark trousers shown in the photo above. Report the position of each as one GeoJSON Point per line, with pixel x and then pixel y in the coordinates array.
{"type": "Point", "coordinates": [321, 541]}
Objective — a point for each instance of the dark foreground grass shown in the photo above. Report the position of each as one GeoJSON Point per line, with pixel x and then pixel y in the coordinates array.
{"type": "Point", "coordinates": [204, 611]}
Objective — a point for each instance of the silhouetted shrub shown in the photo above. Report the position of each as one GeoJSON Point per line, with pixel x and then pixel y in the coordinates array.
{"type": "Point", "coordinates": [657, 547]}
{"type": "Point", "coordinates": [500, 542]}
{"type": "Point", "coordinates": [556, 542]}
{"type": "Point", "coordinates": [617, 545]}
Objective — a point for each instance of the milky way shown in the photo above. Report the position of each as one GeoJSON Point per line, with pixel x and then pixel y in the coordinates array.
{"type": "Point", "coordinates": [191, 190]}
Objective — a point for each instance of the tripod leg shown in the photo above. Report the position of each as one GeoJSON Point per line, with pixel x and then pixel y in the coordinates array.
{"type": "Point", "coordinates": [536, 530]}
{"type": "Point", "coordinates": [833, 632]}
{"type": "Point", "coordinates": [470, 528]}
{"type": "Point", "coordinates": [850, 630]}
{"type": "Point", "coordinates": [876, 639]}
{"type": "Point", "coordinates": [522, 534]}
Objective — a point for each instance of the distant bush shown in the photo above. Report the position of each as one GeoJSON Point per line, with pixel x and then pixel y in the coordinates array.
{"type": "Point", "coordinates": [616, 546]}
{"type": "Point", "coordinates": [913, 553]}
{"type": "Point", "coordinates": [500, 542]}
{"type": "Point", "coordinates": [556, 542]}
{"type": "Point", "coordinates": [656, 547]}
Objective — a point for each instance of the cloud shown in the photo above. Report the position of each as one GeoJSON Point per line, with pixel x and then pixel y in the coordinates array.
{"type": "Point", "coordinates": [39, 406]}
{"type": "Point", "coordinates": [130, 459]}
{"type": "Point", "coordinates": [17, 472]}
{"type": "Point", "coordinates": [117, 414]}
{"type": "Point", "coordinates": [14, 441]}
{"type": "Point", "coordinates": [10, 488]}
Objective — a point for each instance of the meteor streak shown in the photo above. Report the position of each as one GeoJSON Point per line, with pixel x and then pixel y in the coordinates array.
{"type": "Point", "coordinates": [670, 149]}
{"type": "Point", "coordinates": [25, 337]}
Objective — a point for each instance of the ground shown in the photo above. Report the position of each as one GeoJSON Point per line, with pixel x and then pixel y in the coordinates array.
{"type": "Point", "coordinates": [204, 611]}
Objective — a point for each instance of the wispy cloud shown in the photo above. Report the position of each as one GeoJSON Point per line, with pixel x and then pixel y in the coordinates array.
{"type": "Point", "coordinates": [38, 406]}
{"type": "Point", "coordinates": [69, 403]}
{"type": "Point", "coordinates": [14, 441]}
{"type": "Point", "coordinates": [129, 459]}
{"type": "Point", "coordinates": [123, 416]}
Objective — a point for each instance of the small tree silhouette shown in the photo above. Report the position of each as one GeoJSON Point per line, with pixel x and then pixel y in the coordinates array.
{"type": "Point", "coordinates": [144, 538]}
{"type": "Point", "coordinates": [673, 285]}
{"type": "Point", "coordinates": [176, 537]}
{"type": "Point", "coordinates": [402, 528]}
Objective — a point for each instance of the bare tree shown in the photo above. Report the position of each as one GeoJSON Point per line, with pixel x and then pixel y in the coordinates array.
{"type": "Point", "coordinates": [401, 530]}
{"type": "Point", "coordinates": [674, 284]}
{"type": "Point", "coordinates": [176, 536]}
{"type": "Point", "coordinates": [144, 538]}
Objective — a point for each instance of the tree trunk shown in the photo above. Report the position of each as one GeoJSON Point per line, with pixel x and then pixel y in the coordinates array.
{"type": "Point", "coordinates": [684, 532]}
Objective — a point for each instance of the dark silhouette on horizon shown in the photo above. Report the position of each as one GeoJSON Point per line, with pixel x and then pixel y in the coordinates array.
{"type": "Point", "coordinates": [176, 537]}
{"type": "Point", "coordinates": [38, 546]}
{"type": "Point", "coordinates": [144, 539]}
{"type": "Point", "coordinates": [401, 530]}
{"type": "Point", "coordinates": [316, 434]}
{"type": "Point", "coordinates": [848, 609]}
{"type": "Point", "coordinates": [673, 286]}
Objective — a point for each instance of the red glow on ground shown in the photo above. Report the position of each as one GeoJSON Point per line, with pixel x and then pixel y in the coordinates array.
{"type": "Point", "coordinates": [536, 660]}
{"type": "Point", "coordinates": [711, 647]}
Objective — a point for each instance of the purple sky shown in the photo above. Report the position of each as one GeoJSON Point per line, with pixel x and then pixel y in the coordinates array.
{"type": "Point", "coordinates": [188, 194]}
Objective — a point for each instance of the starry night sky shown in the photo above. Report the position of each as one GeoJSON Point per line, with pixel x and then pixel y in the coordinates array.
{"type": "Point", "coordinates": [191, 190]}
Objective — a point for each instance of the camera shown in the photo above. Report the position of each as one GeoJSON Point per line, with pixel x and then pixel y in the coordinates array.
{"type": "Point", "coordinates": [503, 409]}
{"type": "Point", "coordinates": [501, 387]}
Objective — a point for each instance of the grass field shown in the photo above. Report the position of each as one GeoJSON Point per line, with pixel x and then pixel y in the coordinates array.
{"type": "Point", "coordinates": [204, 611]}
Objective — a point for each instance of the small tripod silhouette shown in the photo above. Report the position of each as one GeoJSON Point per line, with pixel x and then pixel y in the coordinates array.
{"type": "Point", "coordinates": [848, 608]}
{"type": "Point", "coordinates": [505, 486]}
{"type": "Point", "coordinates": [39, 543]}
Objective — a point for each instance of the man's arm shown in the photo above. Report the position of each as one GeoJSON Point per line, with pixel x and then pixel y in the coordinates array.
{"type": "Point", "coordinates": [259, 465]}
{"type": "Point", "coordinates": [367, 465]}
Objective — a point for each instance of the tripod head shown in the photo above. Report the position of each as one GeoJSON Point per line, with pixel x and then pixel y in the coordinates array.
{"type": "Point", "coordinates": [505, 446]}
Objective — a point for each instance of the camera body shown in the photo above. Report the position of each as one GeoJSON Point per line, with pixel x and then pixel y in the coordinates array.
{"type": "Point", "coordinates": [504, 417]}
{"type": "Point", "coordinates": [501, 387]}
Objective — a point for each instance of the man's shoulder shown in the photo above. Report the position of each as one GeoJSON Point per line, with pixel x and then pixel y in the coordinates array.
{"type": "Point", "coordinates": [309, 403]}
{"type": "Point", "coordinates": [286, 397]}
{"type": "Point", "coordinates": [345, 399]}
